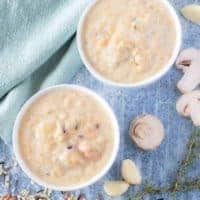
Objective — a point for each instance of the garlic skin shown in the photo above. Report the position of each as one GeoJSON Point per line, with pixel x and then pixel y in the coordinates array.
{"type": "Point", "coordinates": [189, 62]}
{"type": "Point", "coordinates": [147, 132]}
{"type": "Point", "coordinates": [188, 105]}
{"type": "Point", "coordinates": [115, 188]}
{"type": "Point", "coordinates": [130, 172]}
{"type": "Point", "coordinates": [192, 13]}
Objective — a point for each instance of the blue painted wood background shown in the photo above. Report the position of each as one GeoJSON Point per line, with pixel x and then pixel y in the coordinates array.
{"type": "Point", "coordinates": [159, 99]}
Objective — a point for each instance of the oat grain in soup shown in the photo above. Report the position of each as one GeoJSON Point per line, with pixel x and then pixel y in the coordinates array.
{"type": "Point", "coordinates": [128, 41]}
{"type": "Point", "coordinates": [66, 137]}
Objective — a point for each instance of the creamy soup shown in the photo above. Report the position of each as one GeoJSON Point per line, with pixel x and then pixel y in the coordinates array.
{"type": "Point", "coordinates": [66, 137]}
{"type": "Point", "coordinates": [128, 41]}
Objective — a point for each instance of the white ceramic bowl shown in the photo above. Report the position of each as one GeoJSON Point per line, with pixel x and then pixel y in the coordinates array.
{"type": "Point", "coordinates": [140, 83]}
{"type": "Point", "coordinates": [16, 146]}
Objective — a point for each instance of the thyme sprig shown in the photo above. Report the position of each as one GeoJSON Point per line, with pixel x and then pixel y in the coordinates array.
{"type": "Point", "coordinates": [181, 182]}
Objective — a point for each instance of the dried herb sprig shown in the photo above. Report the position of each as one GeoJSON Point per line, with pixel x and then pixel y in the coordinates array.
{"type": "Point", "coordinates": [70, 196]}
{"type": "Point", "coordinates": [181, 182]}
{"type": "Point", "coordinates": [25, 195]}
{"type": "Point", "coordinates": [5, 173]}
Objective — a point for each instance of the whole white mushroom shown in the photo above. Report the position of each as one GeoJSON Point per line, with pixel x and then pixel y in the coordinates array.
{"type": "Point", "coordinates": [188, 105]}
{"type": "Point", "coordinates": [189, 62]}
{"type": "Point", "coordinates": [147, 132]}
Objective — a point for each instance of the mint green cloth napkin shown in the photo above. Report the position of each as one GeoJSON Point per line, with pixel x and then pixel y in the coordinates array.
{"type": "Point", "coordinates": [37, 50]}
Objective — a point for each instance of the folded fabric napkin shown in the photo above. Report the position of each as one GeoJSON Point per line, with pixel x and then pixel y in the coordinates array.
{"type": "Point", "coordinates": [37, 49]}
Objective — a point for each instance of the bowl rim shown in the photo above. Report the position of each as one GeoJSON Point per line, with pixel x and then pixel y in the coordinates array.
{"type": "Point", "coordinates": [16, 146]}
{"type": "Point", "coordinates": [141, 83]}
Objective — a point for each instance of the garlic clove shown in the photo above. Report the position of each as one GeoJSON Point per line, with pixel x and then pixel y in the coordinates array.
{"type": "Point", "coordinates": [130, 172]}
{"type": "Point", "coordinates": [115, 188]}
{"type": "Point", "coordinates": [192, 13]}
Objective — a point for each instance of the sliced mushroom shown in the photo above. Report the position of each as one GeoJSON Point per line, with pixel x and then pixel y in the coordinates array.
{"type": "Point", "coordinates": [188, 105]}
{"type": "Point", "coordinates": [189, 62]}
{"type": "Point", "coordinates": [147, 132]}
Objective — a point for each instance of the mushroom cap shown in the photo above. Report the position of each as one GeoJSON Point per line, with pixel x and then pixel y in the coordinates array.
{"type": "Point", "coordinates": [189, 105]}
{"type": "Point", "coordinates": [147, 132]}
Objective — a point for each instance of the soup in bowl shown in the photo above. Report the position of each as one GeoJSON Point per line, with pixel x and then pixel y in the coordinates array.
{"type": "Point", "coordinates": [65, 137]}
{"type": "Point", "coordinates": [129, 42]}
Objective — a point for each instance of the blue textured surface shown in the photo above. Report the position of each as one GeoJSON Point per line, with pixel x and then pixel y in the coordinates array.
{"type": "Point", "coordinates": [159, 99]}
